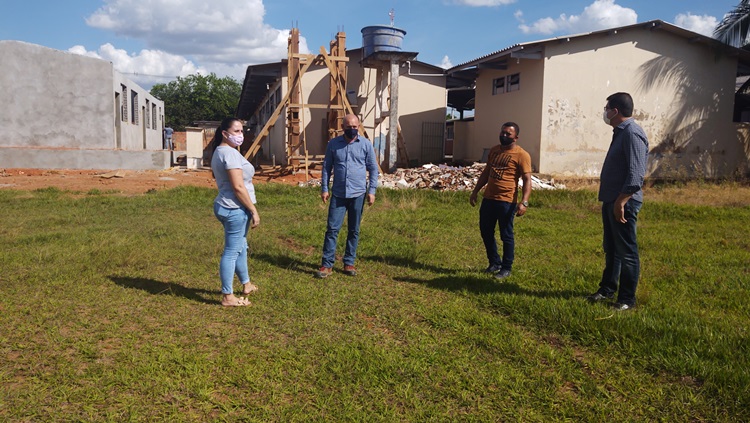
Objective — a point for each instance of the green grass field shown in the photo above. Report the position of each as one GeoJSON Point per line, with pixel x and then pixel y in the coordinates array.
{"type": "Point", "coordinates": [110, 312]}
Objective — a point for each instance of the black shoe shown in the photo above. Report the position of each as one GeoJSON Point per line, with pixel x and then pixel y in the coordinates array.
{"type": "Point", "coordinates": [622, 306]}
{"type": "Point", "coordinates": [493, 268]}
{"type": "Point", "coordinates": [598, 296]}
{"type": "Point", "coordinates": [502, 274]}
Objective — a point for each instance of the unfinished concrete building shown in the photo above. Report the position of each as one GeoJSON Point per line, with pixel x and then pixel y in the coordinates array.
{"type": "Point", "coordinates": [67, 111]}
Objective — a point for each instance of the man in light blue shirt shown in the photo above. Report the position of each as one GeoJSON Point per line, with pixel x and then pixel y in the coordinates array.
{"type": "Point", "coordinates": [351, 160]}
{"type": "Point", "coordinates": [168, 138]}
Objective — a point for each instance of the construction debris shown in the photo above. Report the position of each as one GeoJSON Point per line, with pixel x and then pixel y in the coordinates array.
{"type": "Point", "coordinates": [442, 178]}
{"type": "Point", "coordinates": [116, 174]}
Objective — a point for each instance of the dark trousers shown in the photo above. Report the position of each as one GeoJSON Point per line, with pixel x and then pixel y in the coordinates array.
{"type": "Point", "coordinates": [491, 214]}
{"type": "Point", "coordinates": [622, 262]}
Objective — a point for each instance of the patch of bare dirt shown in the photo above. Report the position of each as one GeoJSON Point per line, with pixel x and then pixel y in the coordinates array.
{"type": "Point", "coordinates": [736, 194]}
{"type": "Point", "coordinates": [128, 181]}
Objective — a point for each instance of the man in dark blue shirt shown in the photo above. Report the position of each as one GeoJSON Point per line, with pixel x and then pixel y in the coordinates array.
{"type": "Point", "coordinates": [351, 160]}
{"type": "Point", "coordinates": [620, 193]}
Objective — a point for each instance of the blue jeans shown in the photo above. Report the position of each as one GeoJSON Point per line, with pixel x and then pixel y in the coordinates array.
{"type": "Point", "coordinates": [622, 262]}
{"type": "Point", "coordinates": [492, 213]}
{"type": "Point", "coordinates": [337, 207]}
{"type": "Point", "coordinates": [234, 258]}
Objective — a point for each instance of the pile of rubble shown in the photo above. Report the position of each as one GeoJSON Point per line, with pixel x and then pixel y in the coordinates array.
{"type": "Point", "coordinates": [442, 178]}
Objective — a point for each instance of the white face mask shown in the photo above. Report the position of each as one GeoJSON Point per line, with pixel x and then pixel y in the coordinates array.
{"type": "Point", "coordinates": [606, 119]}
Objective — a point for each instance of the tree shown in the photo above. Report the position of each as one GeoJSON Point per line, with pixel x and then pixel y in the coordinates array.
{"type": "Point", "coordinates": [734, 29]}
{"type": "Point", "coordinates": [198, 97]}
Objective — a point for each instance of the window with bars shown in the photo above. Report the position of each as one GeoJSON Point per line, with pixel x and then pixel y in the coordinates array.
{"type": "Point", "coordinates": [506, 84]}
{"type": "Point", "coordinates": [498, 86]}
{"type": "Point", "coordinates": [514, 82]}
{"type": "Point", "coordinates": [124, 106]}
{"type": "Point", "coordinates": [133, 107]}
{"type": "Point", "coordinates": [147, 114]}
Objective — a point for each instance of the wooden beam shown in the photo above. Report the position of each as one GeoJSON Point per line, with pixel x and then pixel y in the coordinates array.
{"type": "Point", "coordinates": [332, 69]}
{"type": "Point", "coordinates": [294, 86]}
{"type": "Point", "coordinates": [255, 146]}
{"type": "Point", "coordinates": [314, 57]}
{"type": "Point", "coordinates": [318, 106]}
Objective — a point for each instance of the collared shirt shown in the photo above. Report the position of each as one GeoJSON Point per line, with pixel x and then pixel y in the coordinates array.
{"type": "Point", "coordinates": [350, 162]}
{"type": "Point", "coordinates": [625, 165]}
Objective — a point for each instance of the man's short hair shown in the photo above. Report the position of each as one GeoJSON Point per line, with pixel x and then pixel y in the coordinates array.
{"type": "Point", "coordinates": [514, 126]}
{"type": "Point", "coordinates": [623, 102]}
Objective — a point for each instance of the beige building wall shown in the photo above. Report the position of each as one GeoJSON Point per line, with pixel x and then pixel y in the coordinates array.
{"type": "Point", "coordinates": [683, 94]}
{"type": "Point", "coordinates": [463, 134]}
{"type": "Point", "coordinates": [422, 99]}
{"type": "Point", "coordinates": [521, 106]}
{"type": "Point", "coordinates": [274, 145]}
{"type": "Point", "coordinates": [362, 88]}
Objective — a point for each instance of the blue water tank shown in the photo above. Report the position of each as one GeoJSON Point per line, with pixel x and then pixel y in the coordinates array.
{"type": "Point", "coordinates": [381, 38]}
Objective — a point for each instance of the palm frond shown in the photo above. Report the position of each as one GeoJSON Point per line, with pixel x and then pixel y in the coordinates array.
{"type": "Point", "coordinates": [734, 29]}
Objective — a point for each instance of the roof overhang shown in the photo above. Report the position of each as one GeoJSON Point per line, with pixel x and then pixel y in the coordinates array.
{"type": "Point", "coordinates": [461, 78]}
{"type": "Point", "coordinates": [382, 58]}
{"type": "Point", "coordinates": [255, 87]}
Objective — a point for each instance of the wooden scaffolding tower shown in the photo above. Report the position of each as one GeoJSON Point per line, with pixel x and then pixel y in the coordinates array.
{"type": "Point", "coordinates": [293, 100]}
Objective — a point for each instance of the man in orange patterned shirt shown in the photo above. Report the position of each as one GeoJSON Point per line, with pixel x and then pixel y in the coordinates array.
{"type": "Point", "coordinates": [506, 163]}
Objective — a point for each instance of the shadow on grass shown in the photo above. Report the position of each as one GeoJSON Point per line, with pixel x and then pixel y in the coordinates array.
{"type": "Point", "coordinates": [163, 288]}
{"type": "Point", "coordinates": [286, 262]}
{"type": "Point", "coordinates": [410, 264]}
{"type": "Point", "coordinates": [487, 285]}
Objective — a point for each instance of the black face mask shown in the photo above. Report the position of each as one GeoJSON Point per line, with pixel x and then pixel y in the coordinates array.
{"type": "Point", "coordinates": [506, 140]}
{"type": "Point", "coordinates": [351, 133]}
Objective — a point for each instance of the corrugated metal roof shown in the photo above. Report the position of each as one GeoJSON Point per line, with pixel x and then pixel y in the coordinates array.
{"type": "Point", "coordinates": [654, 24]}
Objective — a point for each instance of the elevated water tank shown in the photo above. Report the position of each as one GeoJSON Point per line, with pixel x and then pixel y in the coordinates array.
{"type": "Point", "coordinates": [381, 38]}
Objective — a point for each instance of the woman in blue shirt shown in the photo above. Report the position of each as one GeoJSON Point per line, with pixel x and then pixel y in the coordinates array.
{"type": "Point", "coordinates": [234, 206]}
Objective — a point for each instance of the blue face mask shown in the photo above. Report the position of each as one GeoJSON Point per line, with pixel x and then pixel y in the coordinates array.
{"type": "Point", "coordinates": [350, 133]}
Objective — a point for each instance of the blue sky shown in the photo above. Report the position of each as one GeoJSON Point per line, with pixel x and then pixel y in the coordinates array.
{"type": "Point", "coordinates": [154, 41]}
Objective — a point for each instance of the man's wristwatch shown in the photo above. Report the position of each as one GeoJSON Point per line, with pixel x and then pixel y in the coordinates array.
{"type": "Point", "coordinates": [525, 203]}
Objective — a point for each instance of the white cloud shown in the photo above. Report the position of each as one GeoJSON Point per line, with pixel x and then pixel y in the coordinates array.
{"type": "Point", "coordinates": [147, 67]}
{"type": "Point", "coordinates": [220, 36]}
{"type": "Point", "coordinates": [600, 14]}
{"type": "Point", "coordinates": [483, 3]}
{"type": "Point", "coordinates": [446, 63]}
{"type": "Point", "coordinates": [701, 24]}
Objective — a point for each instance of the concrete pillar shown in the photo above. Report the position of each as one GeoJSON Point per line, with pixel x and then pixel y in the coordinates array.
{"type": "Point", "coordinates": [392, 145]}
